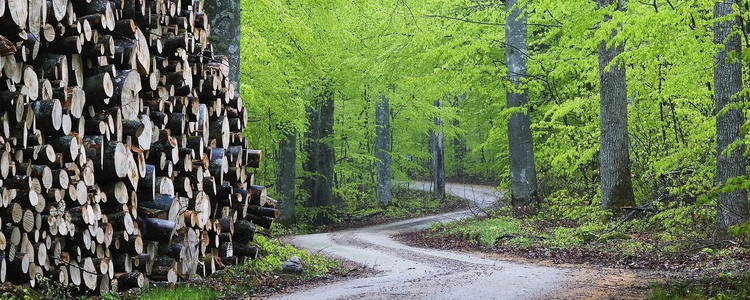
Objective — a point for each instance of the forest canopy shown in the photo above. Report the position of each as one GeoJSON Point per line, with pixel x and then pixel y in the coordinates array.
{"type": "Point", "coordinates": [418, 53]}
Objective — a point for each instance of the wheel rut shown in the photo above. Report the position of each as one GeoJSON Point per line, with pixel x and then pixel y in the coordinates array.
{"type": "Point", "coordinates": [405, 272]}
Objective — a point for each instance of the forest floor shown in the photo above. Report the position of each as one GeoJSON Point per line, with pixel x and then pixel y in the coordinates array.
{"type": "Point", "coordinates": [394, 264]}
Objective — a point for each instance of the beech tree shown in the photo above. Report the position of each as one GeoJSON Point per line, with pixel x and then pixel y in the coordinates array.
{"type": "Point", "coordinates": [225, 32]}
{"type": "Point", "coordinates": [523, 179]}
{"type": "Point", "coordinates": [616, 184]}
{"type": "Point", "coordinates": [437, 149]}
{"type": "Point", "coordinates": [732, 208]}
{"type": "Point", "coordinates": [383, 150]}
{"type": "Point", "coordinates": [319, 162]}
{"type": "Point", "coordinates": [287, 173]}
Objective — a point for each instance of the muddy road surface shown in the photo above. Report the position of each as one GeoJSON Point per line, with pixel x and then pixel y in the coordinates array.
{"type": "Point", "coordinates": [404, 272]}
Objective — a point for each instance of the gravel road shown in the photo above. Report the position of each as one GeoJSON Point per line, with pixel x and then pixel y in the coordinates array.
{"type": "Point", "coordinates": [404, 272]}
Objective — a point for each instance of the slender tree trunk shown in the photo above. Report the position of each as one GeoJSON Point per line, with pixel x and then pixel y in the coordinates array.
{"type": "Point", "coordinates": [732, 208]}
{"type": "Point", "coordinates": [616, 184]}
{"type": "Point", "coordinates": [320, 153]}
{"type": "Point", "coordinates": [225, 33]}
{"type": "Point", "coordinates": [286, 174]}
{"type": "Point", "coordinates": [383, 150]}
{"type": "Point", "coordinates": [459, 145]}
{"type": "Point", "coordinates": [438, 158]}
{"type": "Point", "coordinates": [521, 146]}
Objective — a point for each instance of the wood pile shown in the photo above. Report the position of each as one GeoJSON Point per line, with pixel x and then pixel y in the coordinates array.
{"type": "Point", "coordinates": [122, 154]}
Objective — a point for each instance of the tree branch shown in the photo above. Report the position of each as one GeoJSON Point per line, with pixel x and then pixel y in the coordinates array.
{"type": "Point", "coordinates": [486, 23]}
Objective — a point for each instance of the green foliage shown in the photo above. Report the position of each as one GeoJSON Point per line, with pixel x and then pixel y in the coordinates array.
{"type": "Point", "coordinates": [487, 231]}
{"type": "Point", "coordinates": [415, 52]}
{"type": "Point", "coordinates": [723, 286]}
{"type": "Point", "coordinates": [311, 215]}
{"type": "Point", "coordinates": [408, 202]}
{"type": "Point", "coordinates": [405, 203]}
{"type": "Point", "coordinates": [264, 272]}
{"type": "Point", "coordinates": [742, 230]}
{"type": "Point", "coordinates": [188, 292]}
{"type": "Point", "coordinates": [45, 289]}
{"type": "Point", "coordinates": [273, 253]}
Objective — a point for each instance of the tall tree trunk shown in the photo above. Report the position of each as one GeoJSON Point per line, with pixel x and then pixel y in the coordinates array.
{"type": "Point", "coordinates": [732, 208]}
{"type": "Point", "coordinates": [225, 33]}
{"type": "Point", "coordinates": [616, 184]}
{"type": "Point", "coordinates": [383, 150]}
{"type": "Point", "coordinates": [438, 159]}
{"type": "Point", "coordinates": [320, 153]}
{"type": "Point", "coordinates": [523, 180]}
{"type": "Point", "coordinates": [459, 145]}
{"type": "Point", "coordinates": [286, 174]}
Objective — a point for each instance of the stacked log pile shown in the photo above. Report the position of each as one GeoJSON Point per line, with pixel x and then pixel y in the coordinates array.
{"type": "Point", "coordinates": [122, 154]}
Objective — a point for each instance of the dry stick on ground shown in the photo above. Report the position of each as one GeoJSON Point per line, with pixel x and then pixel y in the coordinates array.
{"type": "Point", "coordinates": [633, 210]}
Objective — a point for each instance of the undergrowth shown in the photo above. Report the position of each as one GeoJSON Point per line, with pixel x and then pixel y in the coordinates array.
{"type": "Point", "coordinates": [722, 286]}
{"type": "Point", "coordinates": [264, 273]}
{"type": "Point", "coordinates": [187, 292]}
{"type": "Point", "coordinates": [406, 203]}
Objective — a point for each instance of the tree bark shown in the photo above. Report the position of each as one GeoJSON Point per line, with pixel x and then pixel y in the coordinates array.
{"type": "Point", "coordinates": [286, 174]}
{"type": "Point", "coordinates": [732, 208]}
{"type": "Point", "coordinates": [459, 143]}
{"type": "Point", "coordinates": [616, 184]}
{"type": "Point", "coordinates": [438, 157]}
{"type": "Point", "coordinates": [225, 33]}
{"type": "Point", "coordinates": [383, 150]}
{"type": "Point", "coordinates": [523, 179]}
{"type": "Point", "coordinates": [320, 153]}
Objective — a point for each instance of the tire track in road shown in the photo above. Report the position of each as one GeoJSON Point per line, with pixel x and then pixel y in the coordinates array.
{"type": "Point", "coordinates": [405, 272]}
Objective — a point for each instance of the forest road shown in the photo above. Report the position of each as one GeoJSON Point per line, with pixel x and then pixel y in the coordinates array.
{"type": "Point", "coordinates": [404, 272]}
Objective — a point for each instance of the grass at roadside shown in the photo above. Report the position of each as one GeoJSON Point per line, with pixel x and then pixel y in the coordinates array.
{"type": "Point", "coordinates": [718, 286]}
{"type": "Point", "coordinates": [187, 292]}
{"type": "Point", "coordinates": [264, 274]}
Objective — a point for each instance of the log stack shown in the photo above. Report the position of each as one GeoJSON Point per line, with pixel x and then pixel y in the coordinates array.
{"type": "Point", "coordinates": [122, 153]}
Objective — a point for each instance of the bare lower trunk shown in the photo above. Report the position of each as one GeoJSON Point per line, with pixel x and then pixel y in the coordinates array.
{"type": "Point", "coordinates": [521, 146]}
{"type": "Point", "coordinates": [732, 208]}
{"type": "Point", "coordinates": [459, 143]}
{"type": "Point", "coordinates": [383, 150]}
{"type": "Point", "coordinates": [287, 170]}
{"type": "Point", "coordinates": [320, 153]}
{"type": "Point", "coordinates": [438, 158]}
{"type": "Point", "coordinates": [616, 185]}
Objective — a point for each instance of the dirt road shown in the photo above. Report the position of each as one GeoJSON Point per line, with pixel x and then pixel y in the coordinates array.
{"type": "Point", "coordinates": [406, 272]}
